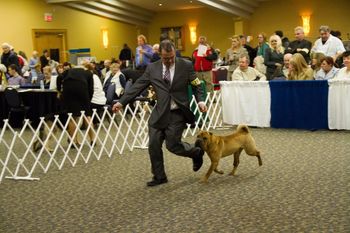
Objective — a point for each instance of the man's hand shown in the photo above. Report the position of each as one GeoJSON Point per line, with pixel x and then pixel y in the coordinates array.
{"type": "Point", "coordinates": [202, 107]}
{"type": "Point", "coordinates": [117, 107]}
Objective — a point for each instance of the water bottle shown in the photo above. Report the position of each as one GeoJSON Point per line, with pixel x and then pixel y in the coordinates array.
{"type": "Point", "coordinates": [42, 87]}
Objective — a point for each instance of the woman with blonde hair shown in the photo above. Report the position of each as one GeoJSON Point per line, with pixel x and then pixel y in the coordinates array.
{"type": "Point", "coordinates": [273, 58]}
{"type": "Point", "coordinates": [233, 54]}
{"type": "Point", "coordinates": [298, 68]}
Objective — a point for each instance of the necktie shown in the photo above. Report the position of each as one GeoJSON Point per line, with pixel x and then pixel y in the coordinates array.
{"type": "Point", "coordinates": [166, 76]}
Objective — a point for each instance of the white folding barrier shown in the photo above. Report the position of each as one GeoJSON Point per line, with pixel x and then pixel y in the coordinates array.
{"type": "Point", "coordinates": [115, 133]}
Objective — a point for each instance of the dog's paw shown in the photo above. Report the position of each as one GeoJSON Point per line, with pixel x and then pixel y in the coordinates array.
{"type": "Point", "coordinates": [219, 171]}
{"type": "Point", "coordinates": [203, 180]}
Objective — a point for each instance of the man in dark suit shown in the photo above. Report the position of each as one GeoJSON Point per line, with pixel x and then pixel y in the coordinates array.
{"type": "Point", "coordinates": [170, 77]}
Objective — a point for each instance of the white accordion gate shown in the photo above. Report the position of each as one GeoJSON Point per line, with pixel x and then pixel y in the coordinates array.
{"type": "Point", "coordinates": [115, 133]}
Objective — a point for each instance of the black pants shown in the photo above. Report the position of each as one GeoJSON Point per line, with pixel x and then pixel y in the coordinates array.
{"type": "Point", "coordinates": [172, 136]}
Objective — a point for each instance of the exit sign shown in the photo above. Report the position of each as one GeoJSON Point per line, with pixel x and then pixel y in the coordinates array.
{"type": "Point", "coordinates": [48, 17]}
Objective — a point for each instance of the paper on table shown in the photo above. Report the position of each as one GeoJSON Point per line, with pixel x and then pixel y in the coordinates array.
{"type": "Point", "coordinates": [202, 50]}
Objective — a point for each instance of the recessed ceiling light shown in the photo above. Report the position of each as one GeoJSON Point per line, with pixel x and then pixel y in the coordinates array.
{"type": "Point", "coordinates": [190, 1]}
{"type": "Point", "coordinates": [160, 4]}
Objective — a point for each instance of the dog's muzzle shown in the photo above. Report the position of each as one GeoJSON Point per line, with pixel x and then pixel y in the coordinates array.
{"type": "Point", "coordinates": [199, 143]}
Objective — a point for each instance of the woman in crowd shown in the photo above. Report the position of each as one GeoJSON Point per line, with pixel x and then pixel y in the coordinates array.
{"type": "Point", "coordinates": [114, 83]}
{"type": "Point", "coordinates": [262, 45]}
{"type": "Point", "coordinates": [298, 68]}
{"type": "Point", "coordinates": [233, 54]}
{"type": "Point", "coordinates": [76, 97]}
{"type": "Point", "coordinates": [328, 70]}
{"type": "Point", "coordinates": [316, 61]}
{"type": "Point", "coordinates": [344, 73]}
{"type": "Point", "coordinates": [98, 100]}
{"type": "Point", "coordinates": [273, 58]}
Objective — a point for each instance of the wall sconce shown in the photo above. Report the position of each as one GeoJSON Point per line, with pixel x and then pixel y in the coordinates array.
{"type": "Point", "coordinates": [105, 40]}
{"type": "Point", "coordinates": [193, 34]}
{"type": "Point", "coordinates": [306, 24]}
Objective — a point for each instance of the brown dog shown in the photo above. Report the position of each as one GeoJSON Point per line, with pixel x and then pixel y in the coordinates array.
{"type": "Point", "coordinates": [218, 147]}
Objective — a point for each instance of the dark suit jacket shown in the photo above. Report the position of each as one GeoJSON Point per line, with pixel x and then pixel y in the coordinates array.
{"type": "Point", "coordinates": [178, 91]}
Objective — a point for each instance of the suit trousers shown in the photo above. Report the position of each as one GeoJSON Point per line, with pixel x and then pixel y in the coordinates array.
{"type": "Point", "coordinates": [172, 136]}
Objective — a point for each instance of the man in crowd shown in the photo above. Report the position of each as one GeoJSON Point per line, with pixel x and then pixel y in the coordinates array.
{"type": "Point", "coordinates": [9, 57]}
{"type": "Point", "coordinates": [327, 44]}
{"type": "Point", "coordinates": [300, 45]}
{"type": "Point", "coordinates": [144, 53]}
{"type": "Point", "coordinates": [246, 73]}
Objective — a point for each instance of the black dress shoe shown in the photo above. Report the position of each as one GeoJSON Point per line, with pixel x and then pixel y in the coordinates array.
{"type": "Point", "coordinates": [198, 160]}
{"type": "Point", "coordinates": [155, 182]}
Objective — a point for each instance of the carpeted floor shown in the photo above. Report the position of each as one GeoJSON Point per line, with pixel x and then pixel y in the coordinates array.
{"type": "Point", "coordinates": [303, 186]}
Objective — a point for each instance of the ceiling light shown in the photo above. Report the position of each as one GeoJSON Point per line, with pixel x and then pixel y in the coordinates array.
{"type": "Point", "coordinates": [160, 4]}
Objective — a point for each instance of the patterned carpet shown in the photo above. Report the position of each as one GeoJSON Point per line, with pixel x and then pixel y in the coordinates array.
{"type": "Point", "coordinates": [303, 186]}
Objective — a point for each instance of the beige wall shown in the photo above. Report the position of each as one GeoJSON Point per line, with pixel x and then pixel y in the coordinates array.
{"type": "Point", "coordinates": [268, 17]}
{"type": "Point", "coordinates": [285, 15]}
{"type": "Point", "coordinates": [19, 17]}
{"type": "Point", "coordinates": [216, 26]}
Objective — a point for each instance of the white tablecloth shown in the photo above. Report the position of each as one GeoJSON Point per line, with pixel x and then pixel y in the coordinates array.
{"type": "Point", "coordinates": [339, 104]}
{"type": "Point", "coordinates": [246, 102]}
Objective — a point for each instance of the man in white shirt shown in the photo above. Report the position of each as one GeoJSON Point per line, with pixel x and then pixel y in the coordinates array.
{"type": "Point", "coordinates": [246, 73]}
{"type": "Point", "coordinates": [328, 44]}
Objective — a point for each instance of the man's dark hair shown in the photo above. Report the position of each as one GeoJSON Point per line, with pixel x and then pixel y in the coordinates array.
{"type": "Point", "coordinates": [279, 33]}
{"type": "Point", "coordinates": [167, 46]}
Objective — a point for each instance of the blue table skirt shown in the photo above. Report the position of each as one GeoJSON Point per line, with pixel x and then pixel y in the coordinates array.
{"type": "Point", "coordinates": [299, 104]}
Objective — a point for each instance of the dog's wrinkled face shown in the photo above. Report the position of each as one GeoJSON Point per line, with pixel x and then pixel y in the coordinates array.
{"type": "Point", "coordinates": [203, 140]}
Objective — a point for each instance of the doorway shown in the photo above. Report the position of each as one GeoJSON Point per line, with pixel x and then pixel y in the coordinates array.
{"type": "Point", "coordinates": [54, 40]}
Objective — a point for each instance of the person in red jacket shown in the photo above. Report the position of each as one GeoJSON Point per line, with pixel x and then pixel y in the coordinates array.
{"type": "Point", "coordinates": [203, 57]}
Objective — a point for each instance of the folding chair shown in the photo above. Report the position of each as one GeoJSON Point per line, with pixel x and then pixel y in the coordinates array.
{"type": "Point", "coordinates": [15, 103]}
{"type": "Point", "coordinates": [219, 74]}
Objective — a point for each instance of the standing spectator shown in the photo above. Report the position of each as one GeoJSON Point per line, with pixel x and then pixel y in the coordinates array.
{"type": "Point", "coordinates": [45, 58]}
{"type": "Point", "coordinates": [125, 55]}
{"type": "Point", "coordinates": [155, 56]}
{"type": "Point", "coordinates": [298, 68]}
{"type": "Point", "coordinates": [327, 71]}
{"type": "Point", "coordinates": [284, 40]}
{"type": "Point", "coordinates": [203, 57]}
{"type": "Point", "coordinates": [15, 78]}
{"type": "Point", "coordinates": [169, 77]}
{"type": "Point", "coordinates": [76, 96]}
{"type": "Point", "coordinates": [33, 62]}
{"type": "Point", "coordinates": [273, 57]}
{"type": "Point", "coordinates": [328, 44]}
{"type": "Point", "coordinates": [233, 54]}
{"type": "Point", "coordinates": [246, 73]}
{"type": "Point", "coordinates": [9, 57]}
{"type": "Point", "coordinates": [300, 45]}
{"type": "Point", "coordinates": [250, 50]}
{"type": "Point", "coordinates": [143, 53]}
{"type": "Point", "coordinates": [262, 45]}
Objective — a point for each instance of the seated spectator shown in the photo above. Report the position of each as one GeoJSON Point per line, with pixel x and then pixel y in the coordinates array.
{"type": "Point", "coordinates": [286, 60]}
{"type": "Point", "coordinates": [3, 79]}
{"type": "Point", "coordinates": [316, 61]}
{"type": "Point", "coordinates": [15, 78]}
{"type": "Point", "coordinates": [273, 56]}
{"type": "Point", "coordinates": [49, 79]}
{"type": "Point", "coordinates": [106, 67]}
{"type": "Point", "coordinates": [114, 84]}
{"type": "Point", "coordinates": [328, 70]}
{"type": "Point", "coordinates": [298, 68]}
{"type": "Point", "coordinates": [36, 75]}
{"type": "Point", "coordinates": [344, 73]}
{"type": "Point", "coordinates": [246, 73]}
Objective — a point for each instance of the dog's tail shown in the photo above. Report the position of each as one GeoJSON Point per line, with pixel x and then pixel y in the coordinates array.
{"type": "Point", "coordinates": [243, 129]}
